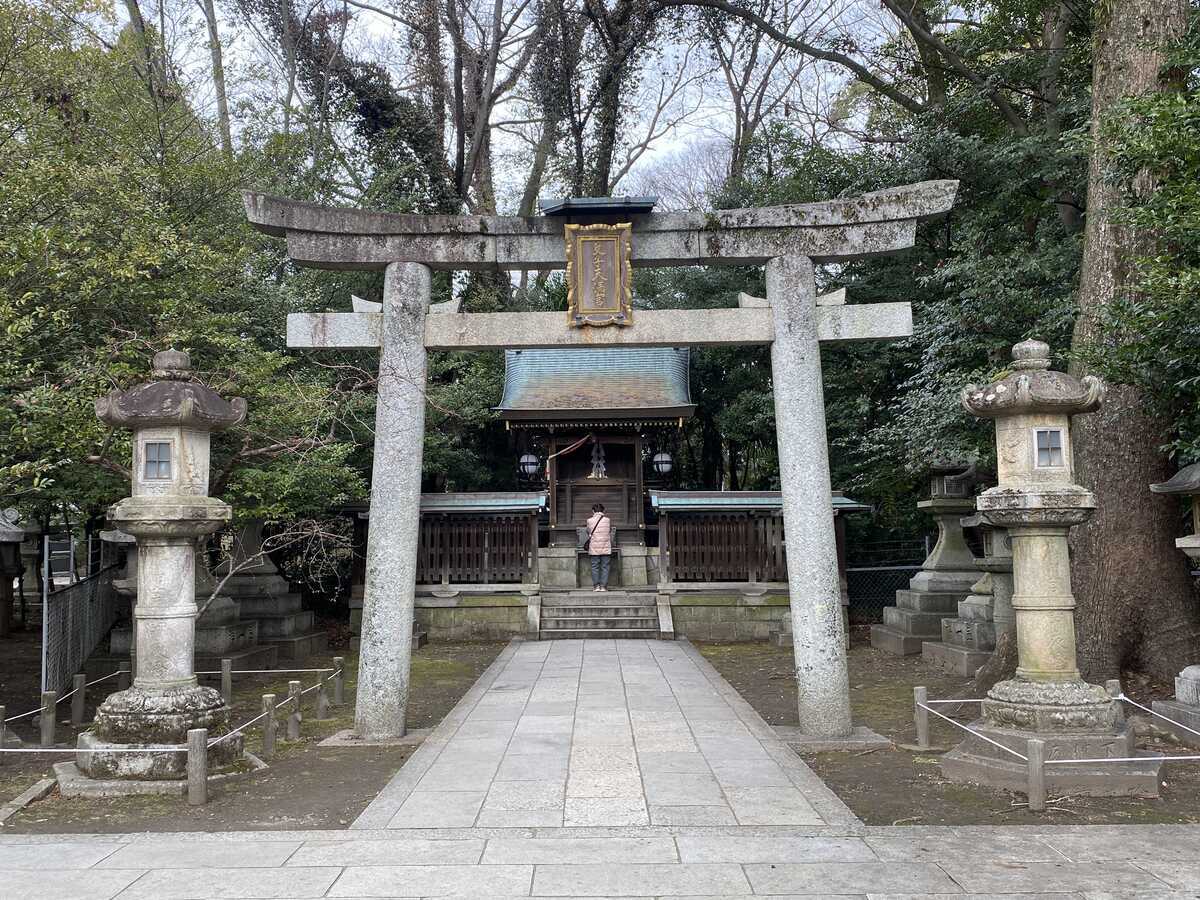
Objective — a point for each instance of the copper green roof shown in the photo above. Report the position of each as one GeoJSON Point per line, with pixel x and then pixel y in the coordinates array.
{"type": "Point", "coordinates": [597, 384]}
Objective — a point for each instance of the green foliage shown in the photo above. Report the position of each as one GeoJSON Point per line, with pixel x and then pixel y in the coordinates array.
{"type": "Point", "coordinates": [122, 233]}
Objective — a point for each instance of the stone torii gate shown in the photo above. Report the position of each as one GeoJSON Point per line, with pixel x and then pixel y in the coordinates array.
{"type": "Point", "coordinates": [792, 319]}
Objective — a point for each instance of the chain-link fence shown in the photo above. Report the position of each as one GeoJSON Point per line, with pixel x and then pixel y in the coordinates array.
{"type": "Point", "coordinates": [76, 619]}
{"type": "Point", "coordinates": [871, 588]}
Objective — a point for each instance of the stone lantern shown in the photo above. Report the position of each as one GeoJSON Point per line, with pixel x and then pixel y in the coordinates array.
{"type": "Point", "coordinates": [11, 535]}
{"type": "Point", "coordinates": [1038, 503]}
{"type": "Point", "coordinates": [1186, 482]}
{"type": "Point", "coordinates": [172, 418]}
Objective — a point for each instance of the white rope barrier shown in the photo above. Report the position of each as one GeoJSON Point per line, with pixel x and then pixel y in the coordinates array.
{"type": "Point", "coordinates": [32, 712]}
{"type": "Point", "coordinates": [982, 737]}
{"type": "Point", "coordinates": [238, 730]}
{"type": "Point", "coordinates": [954, 701]}
{"type": "Point", "coordinates": [267, 672]}
{"type": "Point", "coordinates": [105, 678]}
{"type": "Point", "coordinates": [107, 749]}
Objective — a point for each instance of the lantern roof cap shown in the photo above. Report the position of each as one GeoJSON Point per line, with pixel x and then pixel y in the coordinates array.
{"type": "Point", "coordinates": [172, 399]}
{"type": "Point", "coordinates": [1031, 386]}
{"type": "Point", "coordinates": [1185, 481]}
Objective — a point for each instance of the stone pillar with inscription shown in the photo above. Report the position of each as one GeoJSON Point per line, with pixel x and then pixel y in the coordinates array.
{"type": "Point", "coordinates": [1038, 503]}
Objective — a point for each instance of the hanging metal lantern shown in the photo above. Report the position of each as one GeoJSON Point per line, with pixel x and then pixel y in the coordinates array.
{"type": "Point", "coordinates": [529, 466]}
{"type": "Point", "coordinates": [662, 463]}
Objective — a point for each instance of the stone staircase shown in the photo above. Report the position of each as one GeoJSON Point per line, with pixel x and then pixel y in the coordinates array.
{"type": "Point", "coordinates": [587, 614]}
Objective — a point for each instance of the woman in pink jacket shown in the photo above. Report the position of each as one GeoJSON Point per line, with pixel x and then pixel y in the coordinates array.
{"type": "Point", "coordinates": [599, 546]}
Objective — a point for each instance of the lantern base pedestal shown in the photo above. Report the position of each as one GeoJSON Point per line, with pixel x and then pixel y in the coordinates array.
{"type": "Point", "coordinates": [152, 721]}
{"type": "Point", "coordinates": [1076, 720]}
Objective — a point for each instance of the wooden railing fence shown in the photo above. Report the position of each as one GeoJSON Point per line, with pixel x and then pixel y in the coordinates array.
{"type": "Point", "coordinates": [723, 546]}
{"type": "Point", "coordinates": [477, 549]}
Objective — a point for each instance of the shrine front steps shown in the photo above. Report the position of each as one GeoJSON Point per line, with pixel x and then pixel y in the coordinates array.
{"type": "Point", "coordinates": [915, 619]}
{"type": "Point", "coordinates": [603, 615]}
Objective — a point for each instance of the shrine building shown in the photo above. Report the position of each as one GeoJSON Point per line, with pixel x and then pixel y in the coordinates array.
{"type": "Point", "coordinates": [601, 425]}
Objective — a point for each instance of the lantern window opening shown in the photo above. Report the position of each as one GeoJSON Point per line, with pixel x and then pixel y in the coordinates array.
{"type": "Point", "coordinates": [157, 464]}
{"type": "Point", "coordinates": [1048, 448]}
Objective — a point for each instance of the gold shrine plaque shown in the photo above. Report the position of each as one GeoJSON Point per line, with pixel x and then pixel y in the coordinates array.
{"type": "Point", "coordinates": [599, 279]}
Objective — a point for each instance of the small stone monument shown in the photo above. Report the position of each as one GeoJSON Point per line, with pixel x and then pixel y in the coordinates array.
{"type": "Point", "coordinates": [1038, 503]}
{"type": "Point", "coordinates": [969, 638]}
{"type": "Point", "coordinates": [172, 418]}
{"type": "Point", "coordinates": [946, 576]}
{"type": "Point", "coordinates": [264, 596]}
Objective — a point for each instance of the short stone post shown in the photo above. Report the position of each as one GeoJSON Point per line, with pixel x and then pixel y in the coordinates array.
{"type": "Point", "coordinates": [1035, 752]}
{"type": "Point", "coordinates": [268, 735]}
{"type": "Point", "coordinates": [322, 710]}
{"type": "Point", "coordinates": [47, 717]}
{"type": "Point", "coordinates": [197, 766]}
{"type": "Point", "coordinates": [78, 700]}
{"type": "Point", "coordinates": [294, 716]}
{"type": "Point", "coordinates": [124, 675]}
{"type": "Point", "coordinates": [227, 680]}
{"type": "Point", "coordinates": [339, 681]}
{"type": "Point", "coordinates": [388, 598]}
{"type": "Point", "coordinates": [921, 717]}
{"type": "Point", "coordinates": [814, 587]}
{"type": "Point", "coordinates": [1113, 687]}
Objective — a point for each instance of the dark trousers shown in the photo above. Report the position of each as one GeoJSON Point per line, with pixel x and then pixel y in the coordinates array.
{"type": "Point", "coordinates": [600, 568]}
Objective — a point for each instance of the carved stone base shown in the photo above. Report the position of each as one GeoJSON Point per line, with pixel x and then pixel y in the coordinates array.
{"type": "Point", "coordinates": [151, 720]}
{"type": "Point", "coordinates": [1073, 706]}
{"type": "Point", "coordinates": [978, 762]}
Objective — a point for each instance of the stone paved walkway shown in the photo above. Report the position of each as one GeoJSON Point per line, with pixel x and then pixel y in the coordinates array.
{"type": "Point", "coordinates": [602, 770]}
{"type": "Point", "coordinates": [603, 733]}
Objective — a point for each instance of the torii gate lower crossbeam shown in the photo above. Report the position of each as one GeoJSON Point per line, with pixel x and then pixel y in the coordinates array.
{"type": "Point", "coordinates": [792, 320]}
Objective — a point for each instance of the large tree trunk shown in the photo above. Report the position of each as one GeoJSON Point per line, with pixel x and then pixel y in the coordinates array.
{"type": "Point", "coordinates": [1137, 605]}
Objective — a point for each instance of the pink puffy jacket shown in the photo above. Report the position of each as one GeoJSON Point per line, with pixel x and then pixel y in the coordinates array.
{"type": "Point", "coordinates": [600, 527]}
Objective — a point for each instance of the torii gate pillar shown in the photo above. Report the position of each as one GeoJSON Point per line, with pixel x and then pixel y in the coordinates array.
{"type": "Point", "coordinates": [385, 661]}
{"type": "Point", "coordinates": [814, 591]}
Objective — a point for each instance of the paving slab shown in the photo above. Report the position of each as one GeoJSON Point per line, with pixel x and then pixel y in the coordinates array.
{"type": "Point", "coordinates": [724, 848]}
{"type": "Point", "coordinates": [59, 884]}
{"type": "Point", "coordinates": [61, 854]}
{"type": "Point", "coordinates": [849, 878]}
{"type": "Point", "coordinates": [232, 884]}
{"type": "Point", "coordinates": [543, 851]}
{"type": "Point", "coordinates": [433, 881]}
{"type": "Point", "coordinates": [409, 851]}
{"type": "Point", "coordinates": [179, 854]}
{"type": "Point", "coordinates": [639, 879]}
{"type": "Point", "coordinates": [982, 876]}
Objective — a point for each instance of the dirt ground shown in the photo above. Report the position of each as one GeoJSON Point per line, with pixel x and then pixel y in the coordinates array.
{"type": "Point", "coordinates": [306, 786]}
{"type": "Point", "coordinates": [905, 787]}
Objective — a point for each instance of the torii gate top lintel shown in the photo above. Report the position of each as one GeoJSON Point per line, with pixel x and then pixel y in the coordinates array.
{"type": "Point", "coordinates": [871, 224]}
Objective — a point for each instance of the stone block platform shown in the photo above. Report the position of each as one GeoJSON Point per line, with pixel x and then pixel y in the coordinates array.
{"type": "Point", "coordinates": [915, 619]}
